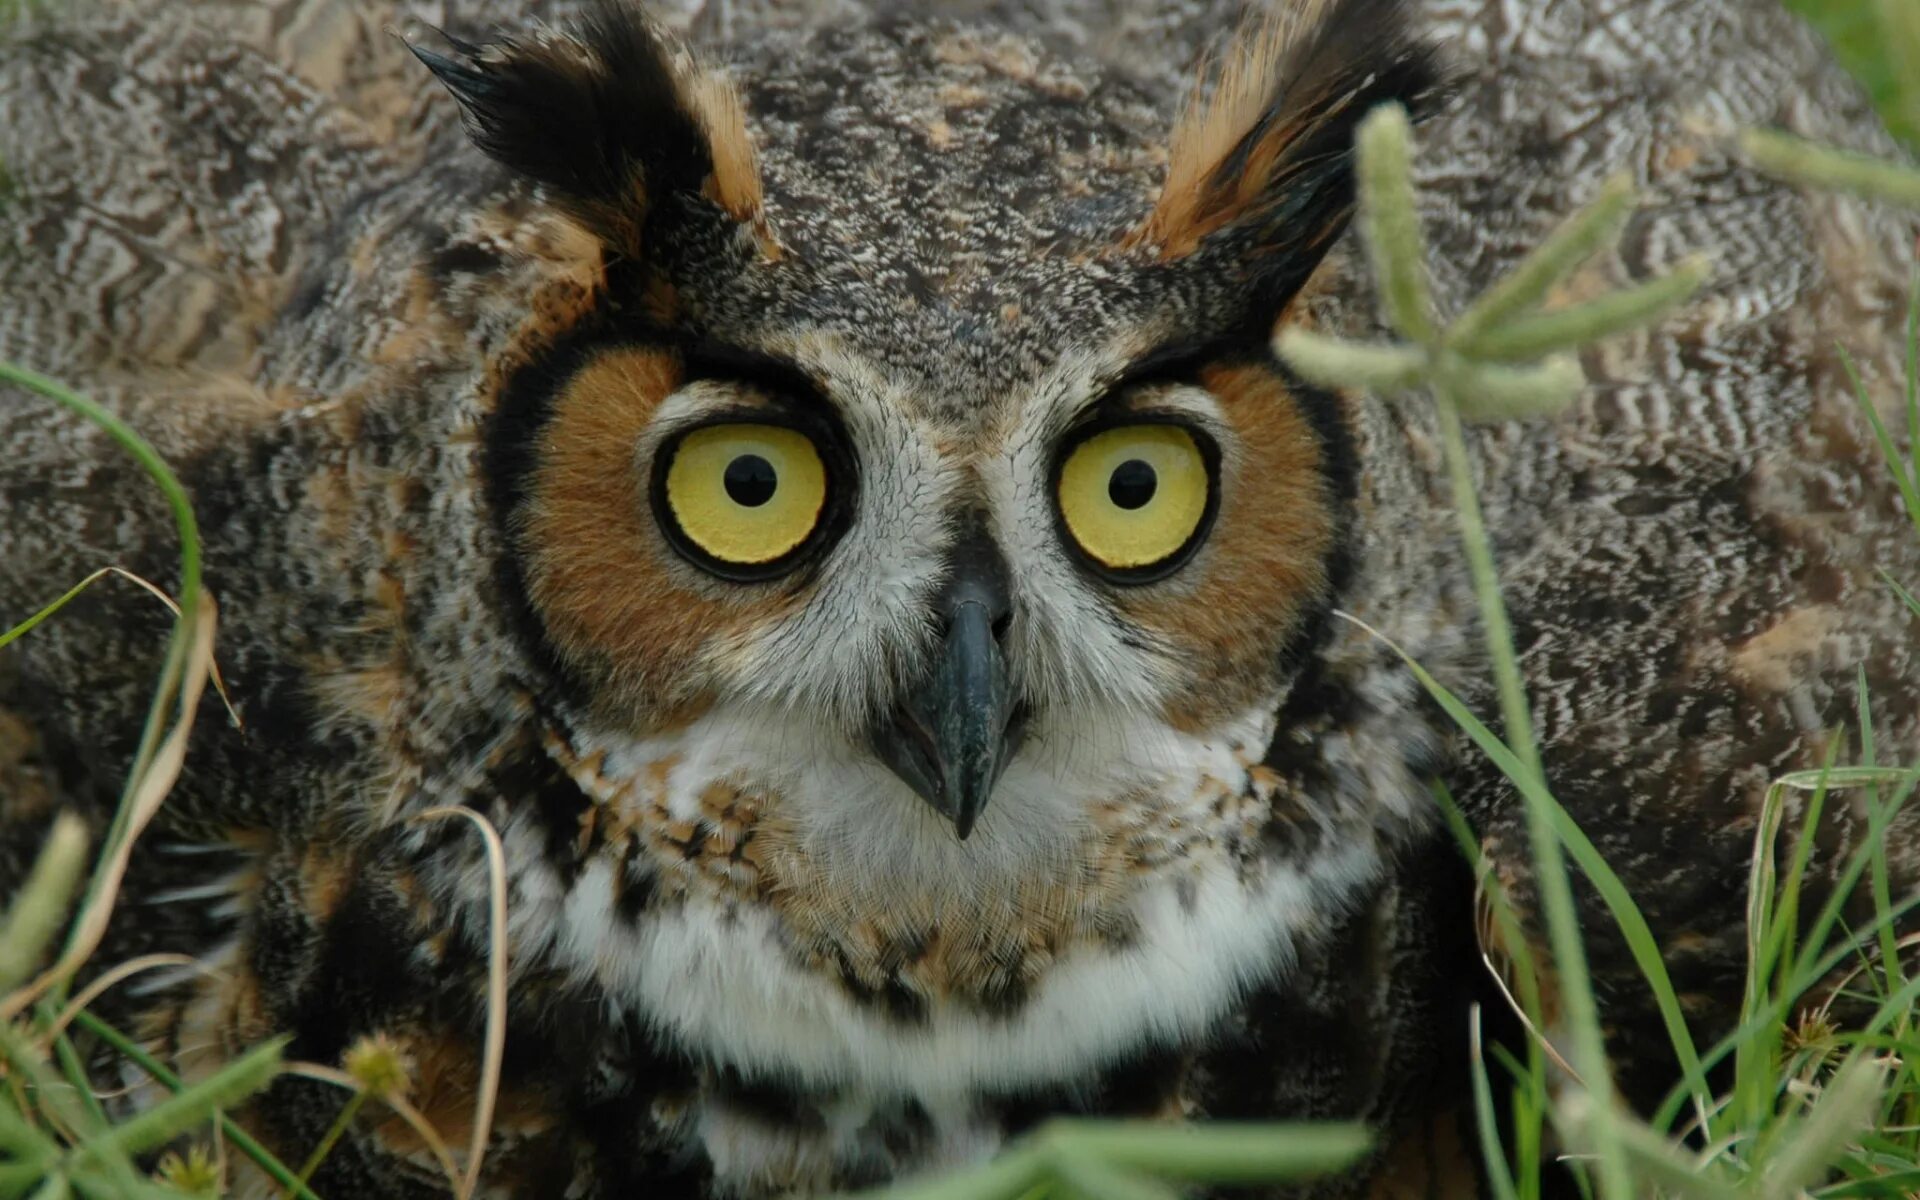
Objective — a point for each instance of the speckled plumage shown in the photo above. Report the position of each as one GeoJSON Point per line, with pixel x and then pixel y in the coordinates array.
{"type": "Point", "coordinates": [746, 959]}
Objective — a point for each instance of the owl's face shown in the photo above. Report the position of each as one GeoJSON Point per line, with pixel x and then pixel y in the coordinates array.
{"type": "Point", "coordinates": [906, 501]}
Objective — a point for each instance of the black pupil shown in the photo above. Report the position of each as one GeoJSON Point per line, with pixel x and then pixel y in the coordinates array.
{"type": "Point", "coordinates": [750, 480]}
{"type": "Point", "coordinates": [1131, 484]}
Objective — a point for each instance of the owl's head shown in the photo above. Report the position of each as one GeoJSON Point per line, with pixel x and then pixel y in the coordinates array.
{"type": "Point", "coordinates": [916, 418]}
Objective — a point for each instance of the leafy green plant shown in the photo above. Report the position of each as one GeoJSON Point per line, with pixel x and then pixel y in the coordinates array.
{"type": "Point", "coordinates": [1503, 357]}
{"type": "Point", "coordinates": [55, 1136]}
{"type": "Point", "coordinates": [1802, 1111]}
{"type": "Point", "coordinates": [1143, 1160]}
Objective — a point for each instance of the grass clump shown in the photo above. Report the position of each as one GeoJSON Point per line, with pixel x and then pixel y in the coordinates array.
{"type": "Point", "coordinates": [1812, 1107]}
{"type": "Point", "coordinates": [56, 1138]}
{"type": "Point", "coordinates": [1503, 357]}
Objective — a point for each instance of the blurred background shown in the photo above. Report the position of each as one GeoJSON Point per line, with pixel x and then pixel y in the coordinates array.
{"type": "Point", "coordinates": [1880, 43]}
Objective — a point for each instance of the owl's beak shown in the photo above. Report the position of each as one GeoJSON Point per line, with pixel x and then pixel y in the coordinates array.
{"type": "Point", "coordinates": [957, 726]}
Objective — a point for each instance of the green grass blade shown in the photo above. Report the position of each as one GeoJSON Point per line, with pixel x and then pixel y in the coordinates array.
{"type": "Point", "coordinates": [44, 1089]}
{"type": "Point", "coordinates": [74, 1069]}
{"type": "Point", "coordinates": [42, 903]}
{"type": "Point", "coordinates": [1851, 777]}
{"type": "Point", "coordinates": [18, 1179]}
{"type": "Point", "coordinates": [1086, 1177]}
{"type": "Point", "coordinates": [91, 1186]}
{"type": "Point", "coordinates": [143, 453]}
{"type": "Point", "coordinates": [242, 1141]}
{"type": "Point", "coordinates": [1773, 920]}
{"type": "Point", "coordinates": [1895, 1183]}
{"type": "Point", "coordinates": [1529, 1079]}
{"type": "Point", "coordinates": [181, 1111]}
{"type": "Point", "coordinates": [1843, 1110]}
{"type": "Point", "coordinates": [1499, 1175]}
{"type": "Point", "coordinates": [1906, 597]}
{"type": "Point", "coordinates": [1216, 1152]}
{"type": "Point", "coordinates": [1817, 966]}
{"type": "Point", "coordinates": [20, 1138]}
{"type": "Point", "coordinates": [1671, 1169]}
{"type": "Point", "coordinates": [1626, 914]}
{"type": "Point", "coordinates": [1788, 923]}
{"type": "Point", "coordinates": [1554, 888]}
{"type": "Point", "coordinates": [335, 1131]}
{"type": "Point", "coordinates": [1896, 1011]}
{"type": "Point", "coordinates": [1896, 462]}
{"type": "Point", "coordinates": [1012, 1176]}
{"type": "Point", "coordinates": [1857, 865]}
{"type": "Point", "coordinates": [188, 597]}
{"type": "Point", "coordinates": [1913, 364]}
{"type": "Point", "coordinates": [1879, 878]}
{"type": "Point", "coordinates": [25, 627]}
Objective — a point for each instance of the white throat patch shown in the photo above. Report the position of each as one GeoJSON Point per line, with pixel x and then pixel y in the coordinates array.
{"type": "Point", "coordinates": [732, 979]}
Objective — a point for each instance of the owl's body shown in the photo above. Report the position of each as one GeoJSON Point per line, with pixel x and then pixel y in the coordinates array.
{"type": "Point", "coordinates": [434, 410]}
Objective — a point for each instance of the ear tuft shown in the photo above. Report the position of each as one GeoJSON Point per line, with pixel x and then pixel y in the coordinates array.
{"type": "Point", "coordinates": [1268, 146]}
{"type": "Point", "coordinates": [610, 118]}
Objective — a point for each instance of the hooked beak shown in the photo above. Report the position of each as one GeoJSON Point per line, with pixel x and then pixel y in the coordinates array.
{"type": "Point", "coordinates": [958, 725]}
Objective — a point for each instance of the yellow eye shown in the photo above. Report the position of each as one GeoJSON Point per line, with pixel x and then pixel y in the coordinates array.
{"type": "Point", "coordinates": [745, 496]}
{"type": "Point", "coordinates": [1134, 498]}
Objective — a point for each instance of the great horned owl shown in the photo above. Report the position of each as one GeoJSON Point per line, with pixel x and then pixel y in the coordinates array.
{"type": "Point", "coordinates": [824, 494]}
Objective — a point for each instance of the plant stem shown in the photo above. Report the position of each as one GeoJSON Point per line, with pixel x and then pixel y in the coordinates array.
{"type": "Point", "coordinates": [1550, 875]}
{"type": "Point", "coordinates": [260, 1155]}
{"type": "Point", "coordinates": [348, 1111]}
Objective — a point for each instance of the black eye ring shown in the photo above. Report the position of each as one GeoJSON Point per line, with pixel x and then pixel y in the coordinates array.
{"type": "Point", "coordinates": [836, 512]}
{"type": "Point", "coordinates": [1116, 418]}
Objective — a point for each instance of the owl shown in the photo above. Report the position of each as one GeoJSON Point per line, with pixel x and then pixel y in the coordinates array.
{"type": "Point", "coordinates": [814, 478]}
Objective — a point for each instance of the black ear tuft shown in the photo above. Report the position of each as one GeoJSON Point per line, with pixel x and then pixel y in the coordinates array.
{"type": "Point", "coordinates": [605, 117]}
{"type": "Point", "coordinates": [1267, 155]}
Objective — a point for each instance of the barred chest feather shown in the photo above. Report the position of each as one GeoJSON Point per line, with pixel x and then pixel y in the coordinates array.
{"type": "Point", "coordinates": [865, 998]}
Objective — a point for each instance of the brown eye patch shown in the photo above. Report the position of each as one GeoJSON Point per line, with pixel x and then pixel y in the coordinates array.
{"type": "Point", "coordinates": [1264, 567]}
{"type": "Point", "coordinates": [616, 604]}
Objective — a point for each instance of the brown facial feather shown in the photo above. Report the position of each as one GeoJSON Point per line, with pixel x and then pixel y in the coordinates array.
{"type": "Point", "coordinates": [1265, 564]}
{"type": "Point", "coordinates": [615, 603]}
